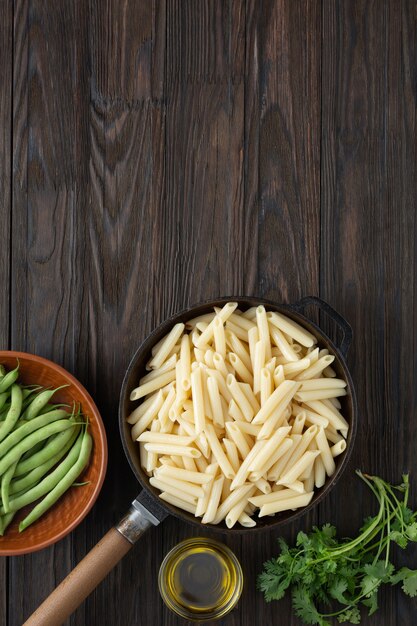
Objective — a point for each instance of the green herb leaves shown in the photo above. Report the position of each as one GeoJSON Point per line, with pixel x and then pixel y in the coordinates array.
{"type": "Point", "coordinates": [329, 578]}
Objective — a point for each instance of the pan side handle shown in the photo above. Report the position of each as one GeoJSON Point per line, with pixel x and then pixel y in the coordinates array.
{"type": "Point", "coordinates": [95, 566]}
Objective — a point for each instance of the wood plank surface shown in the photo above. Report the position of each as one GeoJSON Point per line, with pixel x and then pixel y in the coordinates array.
{"type": "Point", "coordinates": [161, 153]}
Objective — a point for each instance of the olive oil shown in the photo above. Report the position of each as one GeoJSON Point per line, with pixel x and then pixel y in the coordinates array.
{"type": "Point", "coordinates": [200, 579]}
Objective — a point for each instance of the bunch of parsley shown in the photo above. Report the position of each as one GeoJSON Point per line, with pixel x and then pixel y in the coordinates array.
{"type": "Point", "coordinates": [324, 572]}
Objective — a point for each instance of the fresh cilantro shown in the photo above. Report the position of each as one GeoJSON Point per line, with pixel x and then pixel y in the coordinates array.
{"type": "Point", "coordinates": [343, 574]}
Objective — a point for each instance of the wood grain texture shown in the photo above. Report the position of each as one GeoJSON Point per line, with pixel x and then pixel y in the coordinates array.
{"type": "Point", "coordinates": [6, 91]}
{"type": "Point", "coordinates": [170, 151]}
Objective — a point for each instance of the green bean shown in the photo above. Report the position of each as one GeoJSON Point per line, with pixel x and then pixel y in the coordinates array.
{"type": "Point", "coordinates": [2, 371]}
{"type": "Point", "coordinates": [5, 521]}
{"type": "Point", "coordinates": [33, 477]}
{"type": "Point", "coordinates": [42, 433]}
{"type": "Point", "coordinates": [49, 482]}
{"type": "Point", "coordinates": [5, 486]}
{"type": "Point", "coordinates": [50, 449]}
{"type": "Point", "coordinates": [13, 413]}
{"type": "Point", "coordinates": [37, 447]}
{"type": "Point", "coordinates": [8, 380]}
{"type": "Point", "coordinates": [67, 478]}
{"type": "Point", "coordinates": [28, 427]}
{"type": "Point", "coordinates": [3, 398]}
{"type": "Point", "coordinates": [39, 402]}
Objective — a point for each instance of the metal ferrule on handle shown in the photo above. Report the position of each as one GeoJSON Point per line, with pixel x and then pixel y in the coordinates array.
{"type": "Point", "coordinates": [135, 522]}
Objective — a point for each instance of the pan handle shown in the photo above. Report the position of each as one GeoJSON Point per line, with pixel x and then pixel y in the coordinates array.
{"type": "Point", "coordinates": [79, 583]}
{"type": "Point", "coordinates": [334, 315]}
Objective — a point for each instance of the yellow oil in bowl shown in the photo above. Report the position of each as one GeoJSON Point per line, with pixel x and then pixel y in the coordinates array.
{"type": "Point", "coordinates": [200, 579]}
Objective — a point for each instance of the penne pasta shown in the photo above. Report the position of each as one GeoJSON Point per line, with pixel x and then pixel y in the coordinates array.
{"type": "Point", "coordinates": [285, 505]}
{"type": "Point", "coordinates": [291, 328]}
{"type": "Point", "coordinates": [165, 348]}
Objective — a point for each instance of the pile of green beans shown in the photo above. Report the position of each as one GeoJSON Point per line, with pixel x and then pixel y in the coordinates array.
{"type": "Point", "coordinates": [43, 449]}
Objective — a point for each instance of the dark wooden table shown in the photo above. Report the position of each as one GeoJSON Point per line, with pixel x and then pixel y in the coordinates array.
{"type": "Point", "coordinates": [154, 154]}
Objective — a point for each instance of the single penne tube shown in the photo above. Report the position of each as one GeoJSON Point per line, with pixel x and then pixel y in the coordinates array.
{"type": "Point", "coordinates": [248, 391]}
{"type": "Point", "coordinates": [165, 348]}
{"type": "Point", "coordinates": [219, 337]}
{"type": "Point", "coordinates": [137, 413]}
{"type": "Point", "coordinates": [338, 448]}
{"type": "Point", "coordinates": [238, 347]}
{"type": "Point", "coordinates": [319, 472]}
{"type": "Point", "coordinates": [293, 472]}
{"type": "Point", "coordinates": [320, 394]}
{"type": "Point", "coordinates": [208, 358]}
{"type": "Point", "coordinates": [166, 367]}
{"type": "Point", "coordinates": [218, 452]}
{"type": "Point", "coordinates": [322, 383]}
{"type": "Point", "coordinates": [312, 354]}
{"type": "Point", "coordinates": [143, 423]}
{"type": "Point", "coordinates": [263, 330]}
{"type": "Point", "coordinates": [263, 485]}
{"type": "Point", "coordinates": [298, 425]}
{"type": "Point", "coordinates": [266, 385]}
{"type": "Point", "coordinates": [311, 416]}
{"type": "Point", "coordinates": [335, 418]}
{"type": "Point", "coordinates": [181, 485]}
{"type": "Point", "coordinates": [279, 375]}
{"type": "Point", "coordinates": [296, 486]}
{"type": "Point", "coordinates": [281, 343]}
{"type": "Point", "coordinates": [268, 449]}
{"type": "Point", "coordinates": [277, 454]}
{"type": "Point", "coordinates": [213, 501]}
{"type": "Point", "coordinates": [235, 412]}
{"type": "Point", "coordinates": [224, 391]}
{"type": "Point", "coordinates": [291, 328]}
{"type": "Point", "coordinates": [333, 437]}
{"type": "Point", "coordinates": [198, 400]}
{"type": "Point", "coordinates": [253, 338]}
{"type": "Point", "coordinates": [175, 501]}
{"type": "Point", "coordinates": [246, 521]}
{"type": "Point", "coordinates": [240, 368]}
{"type": "Point", "coordinates": [156, 347]}
{"type": "Point", "coordinates": [220, 364]}
{"type": "Point", "coordinates": [238, 438]}
{"type": "Point", "coordinates": [285, 505]}
{"type": "Point", "coordinates": [259, 362]}
{"type": "Point", "coordinates": [235, 496]}
{"type": "Point", "coordinates": [152, 385]}
{"type": "Point", "coordinates": [170, 449]}
{"type": "Point", "coordinates": [164, 486]}
{"type": "Point", "coordinates": [316, 368]}
{"type": "Point", "coordinates": [143, 457]}
{"type": "Point", "coordinates": [334, 402]}
{"type": "Point", "coordinates": [223, 315]}
{"type": "Point", "coordinates": [277, 417]}
{"type": "Point", "coordinates": [243, 471]}
{"type": "Point", "coordinates": [207, 406]}
{"type": "Point", "coordinates": [157, 437]}
{"type": "Point", "coordinates": [241, 321]}
{"type": "Point", "coordinates": [236, 511]}
{"type": "Point", "coordinates": [232, 453]}
{"type": "Point", "coordinates": [274, 400]}
{"type": "Point", "coordinates": [185, 360]}
{"type": "Point", "coordinates": [309, 481]}
{"type": "Point", "coordinates": [211, 471]}
{"type": "Point", "coordinates": [189, 464]}
{"type": "Point", "coordinates": [240, 332]}
{"type": "Point", "coordinates": [329, 372]}
{"type": "Point", "coordinates": [294, 368]}
{"type": "Point", "coordinates": [249, 429]}
{"type": "Point", "coordinates": [239, 397]}
{"type": "Point", "coordinates": [205, 319]}
{"type": "Point", "coordinates": [250, 314]}
{"type": "Point", "coordinates": [273, 496]}
{"type": "Point", "coordinates": [164, 410]}
{"type": "Point", "coordinates": [325, 452]}
{"type": "Point", "coordinates": [215, 401]}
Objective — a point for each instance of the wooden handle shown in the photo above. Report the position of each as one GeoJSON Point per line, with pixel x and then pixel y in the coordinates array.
{"type": "Point", "coordinates": [81, 581]}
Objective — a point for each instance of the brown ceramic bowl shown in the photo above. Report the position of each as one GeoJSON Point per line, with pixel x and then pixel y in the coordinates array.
{"type": "Point", "coordinates": [74, 505]}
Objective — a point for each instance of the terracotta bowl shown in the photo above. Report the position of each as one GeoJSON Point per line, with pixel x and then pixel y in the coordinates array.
{"type": "Point", "coordinates": [74, 505]}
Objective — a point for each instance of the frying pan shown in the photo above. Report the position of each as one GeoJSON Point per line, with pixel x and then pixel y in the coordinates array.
{"type": "Point", "coordinates": [148, 509]}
